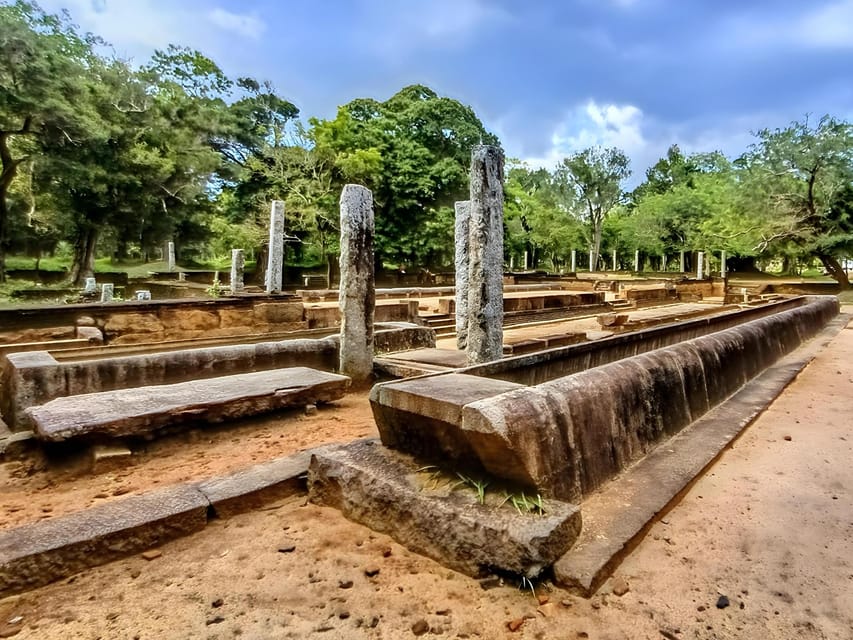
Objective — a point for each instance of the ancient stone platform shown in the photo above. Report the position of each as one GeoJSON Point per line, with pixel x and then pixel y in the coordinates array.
{"type": "Point", "coordinates": [379, 488]}
{"type": "Point", "coordinates": [143, 410]}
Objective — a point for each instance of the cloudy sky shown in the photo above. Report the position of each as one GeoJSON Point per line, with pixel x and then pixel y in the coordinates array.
{"type": "Point", "coordinates": [548, 76]}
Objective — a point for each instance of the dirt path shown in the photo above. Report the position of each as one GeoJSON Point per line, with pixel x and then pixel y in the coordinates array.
{"type": "Point", "coordinates": [770, 527]}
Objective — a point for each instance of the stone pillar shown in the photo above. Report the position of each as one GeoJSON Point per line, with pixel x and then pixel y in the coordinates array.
{"type": "Point", "coordinates": [107, 290]}
{"type": "Point", "coordinates": [90, 286]}
{"type": "Point", "coordinates": [357, 294]}
{"type": "Point", "coordinates": [574, 261]}
{"type": "Point", "coordinates": [700, 265]}
{"type": "Point", "coordinates": [637, 260]}
{"type": "Point", "coordinates": [170, 256]}
{"type": "Point", "coordinates": [511, 260]}
{"type": "Point", "coordinates": [722, 264]}
{"type": "Point", "coordinates": [238, 262]}
{"type": "Point", "coordinates": [526, 260]}
{"type": "Point", "coordinates": [614, 260]}
{"type": "Point", "coordinates": [485, 261]}
{"type": "Point", "coordinates": [681, 263]}
{"type": "Point", "coordinates": [462, 231]}
{"type": "Point", "coordinates": [275, 262]}
{"type": "Point", "coordinates": [663, 262]}
{"type": "Point", "coordinates": [143, 294]}
{"type": "Point", "coordinates": [591, 266]}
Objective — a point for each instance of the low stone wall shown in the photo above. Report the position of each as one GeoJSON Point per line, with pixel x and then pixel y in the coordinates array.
{"type": "Point", "coordinates": [711, 288]}
{"type": "Point", "coordinates": [537, 301]}
{"type": "Point", "coordinates": [33, 378]}
{"type": "Point", "coordinates": [656, 294]}
{"type": "Point", "coordinates": [154, 321]}
{"type": "Point", "coordinates": [318, 316]}
{"type": "Point", "coordinates": [563, 438]}
{"type": "Point", "coordinates": [547, 365]}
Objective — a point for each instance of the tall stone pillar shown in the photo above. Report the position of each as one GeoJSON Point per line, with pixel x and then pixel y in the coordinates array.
{"type": "Point", "coordinates": [681, 264]}
{"type": "Point", "coordinates": [614, 260]}
{"type": "Point", "coordinates": [574, 261]}
{"type": "Point", "coordinates": [591, 265]}
{"type": "Point", "coordinates": [275, 262]}
{"type": "Point", "coordinates": [637, 260]}
{"type": "Point", "coordinates": [663, 262]}
{"type": "Point", "coordinates": [485, 262]}
{"type": "Point", "coordinates": [170, 256]}
{"type": "Point", "coordinates": [462, 231]}
{"type": "Point", "coordinates": [526, 260]}
{"type": "Point", "coordinates": [357, 296]}
{"type": "Point", "coordinates": [700, 265]}
{"type": "Point", "coordinates": [107, 292]}
{"type": "Point", "coordinates": [238, 263]}
{"type": "Point", "coordinates": [723, 264]}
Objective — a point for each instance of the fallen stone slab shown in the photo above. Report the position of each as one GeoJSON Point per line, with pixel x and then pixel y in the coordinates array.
{"type": "Point", "coordinates": [143, 410]}
{"type": "Point", "coordinates": [36, 554]}
{"type": "Point", "coordinates": [379, 488]}
{"type": "Point", "coordinates": [617, 516]}
{"type": "Point", "coordinates": [258, 485]}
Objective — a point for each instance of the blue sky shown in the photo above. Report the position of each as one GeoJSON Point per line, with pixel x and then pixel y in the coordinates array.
{"type": "Point", "coordinates": [549, 77]}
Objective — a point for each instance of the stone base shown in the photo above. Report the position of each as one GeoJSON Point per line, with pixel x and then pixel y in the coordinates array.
{"type": "Point", "coordinates": [383, 490]}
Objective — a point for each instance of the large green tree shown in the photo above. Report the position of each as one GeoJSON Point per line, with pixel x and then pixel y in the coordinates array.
{"type": "Point", "coordinates": [414, 152]}
{"type": "Point", "coordinates": [595, 175]}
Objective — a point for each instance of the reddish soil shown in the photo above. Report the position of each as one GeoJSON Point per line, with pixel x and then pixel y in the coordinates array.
{"type": "Point", "coordinates": [770, 527]}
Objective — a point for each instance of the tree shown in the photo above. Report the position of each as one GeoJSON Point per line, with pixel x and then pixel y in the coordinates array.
{"type": "Point", "coordinates": [595, 175]}
{"type": "Point", "coordinates": [414, 152]}
{"type": "Point", "coordinates": [798, 180]}
{"type": "Point", "coordinates": [43, 90]}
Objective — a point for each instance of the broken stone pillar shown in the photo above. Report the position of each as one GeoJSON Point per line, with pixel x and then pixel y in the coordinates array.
{"type": "Point", "coordinates": [700, 265]}
{"type": "Point", "coordinates": [485, 262]}
{"type": "Point", "coordinates": [238, 262]}
{"type": "Point", "coordinates": [107, 292]}
{"type": "Point", "coordinates": [681, 264]}
{"type": "Point", "coordinates": [462, 229]}
{"type": "Point", "coordinates": [574, 260]}
{"type": "Point", "coordinates": [275, 262]}
{"type": "Point", "coordinates": [637, 260]}
{"type": "Point", "coordinates": [357, 290]}
{"type": "Point", "coordinates": [143, 294]}
{"type": "Point", "coordinates": [722, 264]}
{"type": "Point", "coordinates": [170, 256]}
{"type": "Point", "coordinates": [90, 286]}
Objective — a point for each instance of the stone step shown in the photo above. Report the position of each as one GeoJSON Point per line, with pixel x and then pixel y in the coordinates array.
{"type": "Point", "coordinates": [143, 410]}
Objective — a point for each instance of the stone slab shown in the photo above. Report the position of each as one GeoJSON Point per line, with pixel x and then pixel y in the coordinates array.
{"type": "Point", "coordinates": [421, 416]}
{"type": "Point", "coordinates": [618, 516]}
{"type": "Point", "coordinates": [379, 488]}
{"type": "Point", "coordinates": [36, 554]}
{"type": "Point", "coordinates": [450, 358]}
{"type": "Point", "coordinates": [143, 410]}
{"type": "Point", "coordinates": [258, 485]}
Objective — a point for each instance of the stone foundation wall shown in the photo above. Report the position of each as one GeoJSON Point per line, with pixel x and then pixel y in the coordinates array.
{"type": "Point", "coordinates": [713, 288]}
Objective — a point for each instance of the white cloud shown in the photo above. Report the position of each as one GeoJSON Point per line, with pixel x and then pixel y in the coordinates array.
{"type": "Point", "coordinates": [593, 124]}
{"type": "Point", "coordinates": [827, 25]}
{"type": "Point", "coordinates": [247, 25]}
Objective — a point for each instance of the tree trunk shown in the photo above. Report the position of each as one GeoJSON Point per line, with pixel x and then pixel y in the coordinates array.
{"type": "Point", "coordinates": [83, 265]}
{"type": "Point", "coordinates": [835, 270]}
{"type": "Point", "coordinates": [4, 216]}
{"type": "Point", "coordinates": [596, 241]}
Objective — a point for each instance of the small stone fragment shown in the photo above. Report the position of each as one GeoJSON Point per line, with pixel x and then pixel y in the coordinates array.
{"type": "Point", "coordinates": [371, 572]}
{"type": "Point", "coordinates": [566, 603]}
{"type": "Point", "coordinates": [620, 586]}
{"type": "Point", "coordinates": [515, 625]}
{"type": "Point", "coordinates": [386, 552]}
{"type": "Point", "coordinates": [217, 603]}
{"type": "Point", "coordinates": [787, 438]}
{"type": "Point", "coordinates": [542, 598]}
{"type": "Point", "coordinates": [287, 548]}
{"type": "Point", "coordinates": [345, 584]}
{"type": "Point", "coordinates": [722, 602]}
{"type": "Point", "coordinates": [420, 627]}
{"type": "Point", "coordinates": [490, 583]}
{"type": "Point", "coordinates": [547, 610]}
{"type": "Point", "coordinates": [215, 620]}
{"type": "Point", "coordinates": [152, 554]}
{"type": "Point", "coordinates": [310, 409]}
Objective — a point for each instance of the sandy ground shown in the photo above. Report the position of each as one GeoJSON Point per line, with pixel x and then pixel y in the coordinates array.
{"type": "Point", "coordinates": [770, 527]}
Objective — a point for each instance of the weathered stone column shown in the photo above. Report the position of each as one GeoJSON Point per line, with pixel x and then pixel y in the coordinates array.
{"type": "Point", "coordinates": [700, 265]}
{"type": "Point", "coordinates": [170, 256]}
{"type": "Point", "coordinates": [462, 230]}
{"type": "Point", "coordinates": [681, 263]}
{"type": "Point", "coordinates": [143, 294]}
{"type": "Point", "coordinates": [275, 262]}
{"type": "Point", "coordinates": [90, 286]}
{"type": "Point", "coordinates": [614, 260]}
{"type": "Point", "coordinates": [663, 262]}
{"type": "Point", "coordinates": [357, 294]}
{"type": "Point", "coordinates": [591, 266]}
{"type": "Point", "coordinates": [574, 261]}
{"type": "Point", "coordinates": [485, 262]}
{"type": "Point", "coordinates": [526, 260]}
{"type": "Point", "coordinates": [107, 290]}
{"type": "Point", "coordinates": [723, 264]}
{"type": "Point", "coordinates": [238, 263]}
{"type": "Point", "coordinates": [637, 260]}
